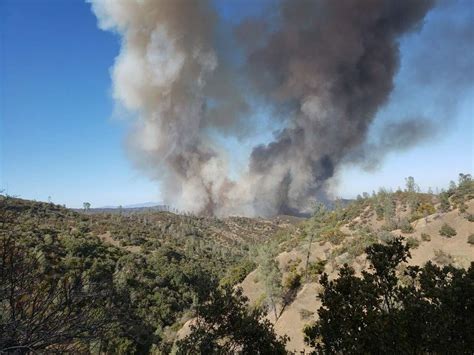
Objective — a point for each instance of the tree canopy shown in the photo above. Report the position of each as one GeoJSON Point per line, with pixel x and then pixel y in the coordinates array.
{"type": "Point", "coordinates": [429, 312]}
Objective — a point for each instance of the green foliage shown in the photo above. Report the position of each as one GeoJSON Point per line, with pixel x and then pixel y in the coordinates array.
{"type": "Point", "coordinates": [385, 236]}
{"type": "Point", "coordinates": [444, 204]}
{"type": "Point", "coordinates": [462, 207]}
{"type": "Point", "coordinates": [357, 245]}
{"type": "Point", "coordinates": [238, 273]}
{"type": "Point", "coordinates": [464, 192]}
{"type": "Point", "coordinates": [292, 281]}
{"type": "Point", "coordinates": [291, 285]}
{"type": "Point", "coordinates": [423, 210]}
{"type": "Point", "coordinates": [306, 314]}
{"type": "Point", "coordinates": [270, 275]}
{"type": "Point", "coordinates": [470, 217]}
{"type": "Point", "coordinates": [333, 235]}
{"type": "Point", "coordinates": [413, 242]}
{"type": "Point", "coordinates": [470, 239]}
{"type": "Point", "coordinates": [141, 296]}
{"type": "Point", "coordinates": [425, 237]}
{"type": "Point", "coordinates": [379, 212]}
{"type": "Point", "coordinates": [64, 301]}
{"type": "Point", "coordinates": [225, 325]}
{"type": "Point", "coordinates": [315, 269]}
{"type": "Point", "coordinates": [376, 314]}
{"type": "Point", "coordinates": [406, 227]}
{"type": "Point", "coordinates": [443, 258]}
{"type": "Point", "coordinates": [447, 231]}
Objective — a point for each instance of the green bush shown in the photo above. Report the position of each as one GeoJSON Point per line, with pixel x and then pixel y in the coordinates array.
{"type": "Point", "coordinates": [306, 314]}
{"type": "Point", "coordinates": [470, 239]}
{"type": "Point", "coordinates": [444, 204]}
{"type": "Point", "coordinates": [447, 231]}
{"type": "Point", "coordinates": [443, 258]}
{"type": "Point", "coordinates": [470, 217]}
{"type": "Point", "coordinates": [334, 236]}
{"type": "Point", "coordinates": [425, 237]}
{"type": "Point", "coordinates": [357, 245]}
{"type": "Point", "coordinates": [385, 236]}
{"type": "Point", "coordinates": [315, 269]}
{"type": "Point", "coordinates": [462, 207]}
{"type": "Point", "coordinates": [413, 243]}
{"type": "Point", "coordinates": [406, 227]}
{"type": "Point", "coordinates": [238, 273]}
{"type": "Point", "coordinates": [292, 281]}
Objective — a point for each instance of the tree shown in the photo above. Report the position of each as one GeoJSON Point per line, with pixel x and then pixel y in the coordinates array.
{"type": "Point", "coordinates": [389, 211]}
{"type": "Point", "coordinates": [375, 313]}
{"type": "Point", "coordinates": [410, 185]}
{"type": "Point", "coordinates": [452, 186]}
{"type": "Point", "coordinates": [412, 189]}
{"type": "Point", "coordinates": [444, 205]}
{"type": "Point", "coordinates": [271, 276]}
{"type": "Point", "coordinates": [41, 311]}
{"type": "Point", "coordinates": [464, 179]}
{"type": "Point", "coordinates": [86, 206]}
{"type": "Point", "coordinates": [319, 214]}
{"type": "Point", "coordinates": [225, 325]}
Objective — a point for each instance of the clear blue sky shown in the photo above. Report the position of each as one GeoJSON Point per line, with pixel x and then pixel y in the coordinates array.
{"type": "Point", "coordinates": [58, 137]}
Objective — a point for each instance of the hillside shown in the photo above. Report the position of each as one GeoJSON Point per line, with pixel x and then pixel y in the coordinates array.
{"type": "Point", "coordinates": [152, 263]}
{"type": "Point", "coordinates": [136, 278]}
{"type": "Point", "coordinates": [333, 238]}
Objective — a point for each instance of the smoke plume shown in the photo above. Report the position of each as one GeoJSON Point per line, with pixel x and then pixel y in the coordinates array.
{"type": "Point", "coordinates": [323, 67]}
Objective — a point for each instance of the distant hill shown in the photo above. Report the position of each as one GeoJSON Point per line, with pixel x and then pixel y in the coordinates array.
{"type": "Point", "coordinates": [128, 209]}
{"type": "Point", "coordinates": [135, 205]}
{"type": "Point", "coordinates": [157, 207]}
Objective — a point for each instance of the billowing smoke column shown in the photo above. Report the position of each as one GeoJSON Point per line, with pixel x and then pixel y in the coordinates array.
{"type": "Point", "coordinates": [327, 65]}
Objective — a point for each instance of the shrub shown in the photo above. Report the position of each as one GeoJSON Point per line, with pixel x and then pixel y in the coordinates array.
{"type": "Point", "coordinates": [315, 269]}
{"type": "Point", "coordinates": [425, 237]}
{"type": "Point", "coordinates": [443, 258]}
{"type": "Point", "coordinates": [470, 217]}
{"type": "Point", "coordinates": [385, 236]}
{"type": "Point", "coordinates": [389, 226]}
{"type": "Point", "coordinates": [379, 211]}
{"type": "Point", "coordinates": [406, 227]}
{"type": "Point", "coordinates": [470, 239]}
{"type": "Point", "coordinates": [444, 205]}
{"type": "Point", "coordinates": [357, 245]}
{"type": "Point", "coordinates": [291, 285]}
{"type": "Point", "coordinates": [292, 281]}
{"type": "Point", "coordinates": [426, 209]}
{"type": "Point", "coordinates": [334, 236]}
{"type": "Point", "coordinates": [238, 273]}
{"type": "Point", "coordinates": [292, 265]}
{"type": "Point", "coordinates": [413, 243]}
{"type": "Point", "coordinates": [447, 231]}
{"type": "Point", "coordinates": [306, 314]}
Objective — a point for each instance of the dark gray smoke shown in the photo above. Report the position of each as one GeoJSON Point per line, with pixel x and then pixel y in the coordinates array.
{"type": "Point", "coordinates": [333, 63]}
{"type": "Point", "coordinates": [325, 66]}
{"type": "Point", "coordinates": [393, 137]}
